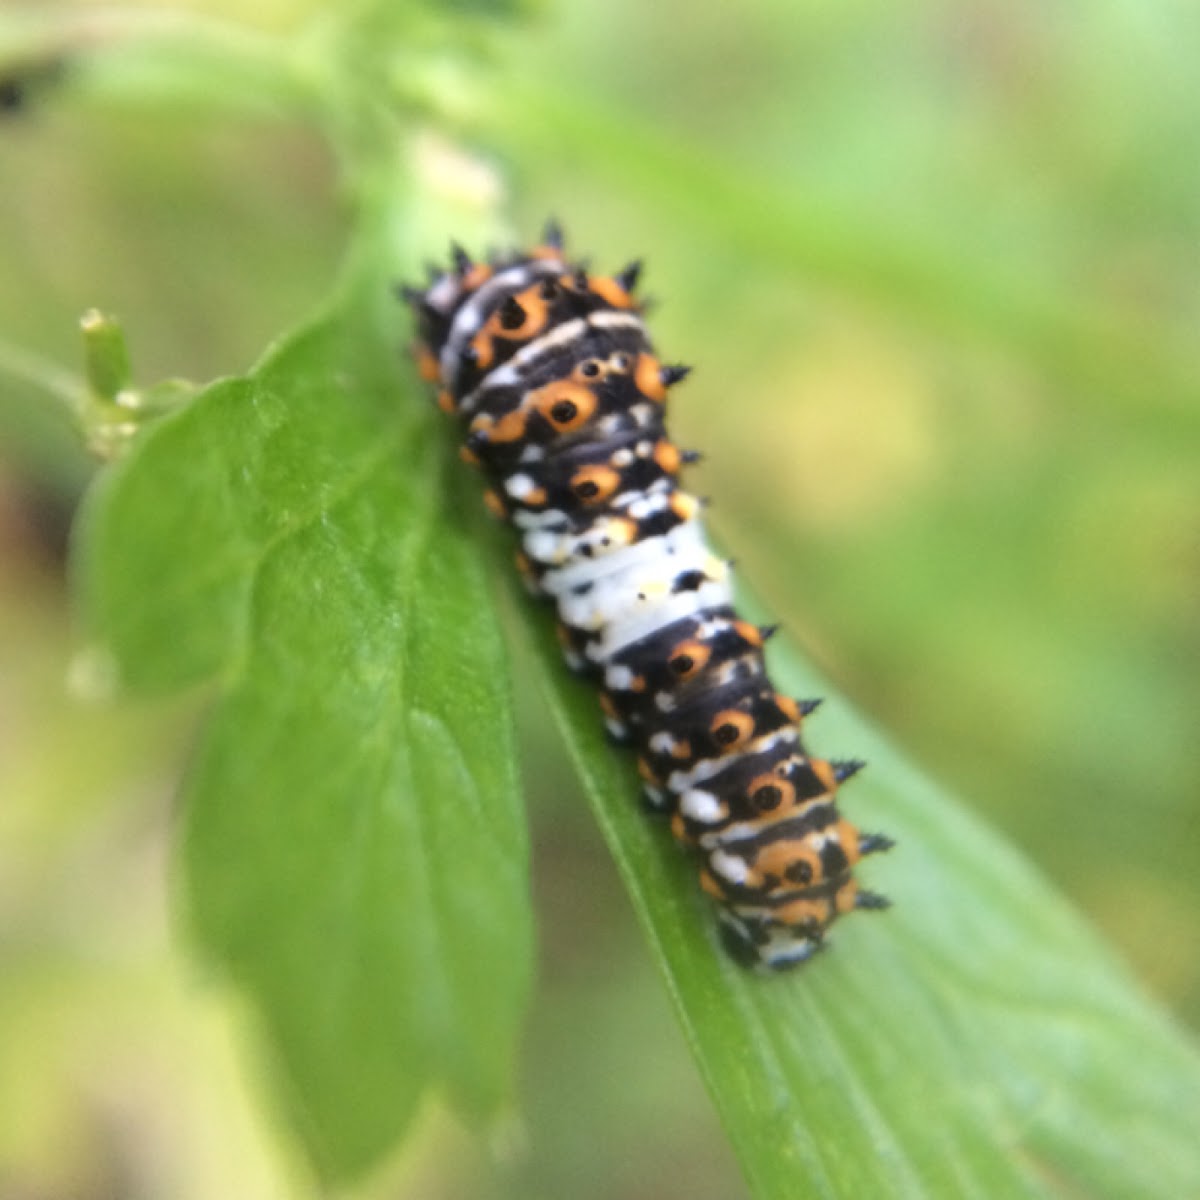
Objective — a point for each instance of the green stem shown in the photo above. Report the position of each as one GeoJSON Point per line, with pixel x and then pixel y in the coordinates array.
{"type": "Point", "coordinates": [44, 376]}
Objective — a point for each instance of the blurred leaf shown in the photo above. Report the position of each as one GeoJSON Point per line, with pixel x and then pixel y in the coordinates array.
{"type": "Point", "coordinates": [168, 57]}
{"type": "Point", "coordinates": [952, 287]}
{"type": "Point", "coordinates": [354, 848]}
{"type": "Point", "coordinates": [977, 1040]}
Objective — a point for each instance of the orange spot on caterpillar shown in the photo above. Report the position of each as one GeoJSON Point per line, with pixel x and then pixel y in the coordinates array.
{"type": "Point", "coordinates": [611, 292]}
{"type": "Point", "coordinates": [565, 405]}
{"type": "Point", "coordinates": [646, 376]}
{"type": "Point", "coordinates": [427, 365]}
{"type": "Point", "coordinates": [667, 456]}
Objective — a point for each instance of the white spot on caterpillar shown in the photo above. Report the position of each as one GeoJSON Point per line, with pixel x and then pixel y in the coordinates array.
{"type": "Point", "coordinates": [701, 806]}
{"type": "Point", "coordinates": [615, 320]}
{"type": "Point", "coordinates": [544, 547]}
{"type": "Point", "coordinates": [618, 679]}
{"type": "Point", "coordinates": [728, 866]}
{"type": "Point", "coordinates": [662, 742]}
{"type": "Point", "coordinates": [646, 506]}
{"type": "Point", "coordinates": [519, 486]}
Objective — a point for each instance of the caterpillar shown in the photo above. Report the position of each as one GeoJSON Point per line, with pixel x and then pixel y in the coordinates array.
{"type": "Point", "coordinates": [562, 400]}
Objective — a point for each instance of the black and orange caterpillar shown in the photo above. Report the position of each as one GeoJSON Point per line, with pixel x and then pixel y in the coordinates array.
{"type": "Point", "coordinates": [562, 399]}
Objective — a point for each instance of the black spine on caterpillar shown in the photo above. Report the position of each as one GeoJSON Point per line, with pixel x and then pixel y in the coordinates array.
{"type": "Point", "coordinates": [562, 400]}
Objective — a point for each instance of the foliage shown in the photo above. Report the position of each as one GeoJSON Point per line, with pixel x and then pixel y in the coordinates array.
{"type": "Point", "coordinates": [296, 541]}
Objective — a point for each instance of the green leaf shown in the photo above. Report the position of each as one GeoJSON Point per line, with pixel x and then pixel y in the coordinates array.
{"type": "Point", "coordinates": [976, 1040]}
{"type": "Point", "coordinates": [353, 842]}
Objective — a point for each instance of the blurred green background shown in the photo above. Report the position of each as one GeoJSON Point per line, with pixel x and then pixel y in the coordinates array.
{"type": "Point", "coordinates": [949, 394]}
